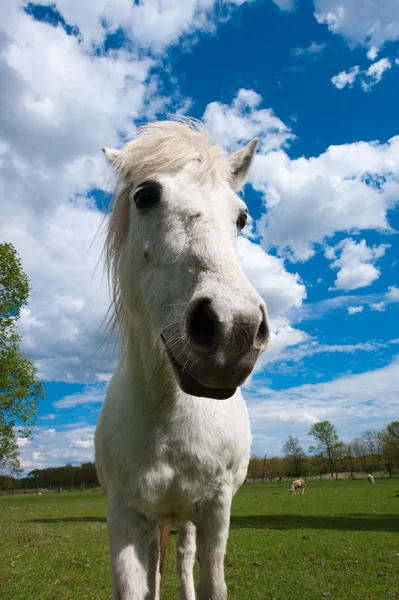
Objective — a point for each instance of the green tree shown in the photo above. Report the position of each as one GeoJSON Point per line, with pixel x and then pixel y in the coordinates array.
{"type": "Point", "coordinates": [327, 442]}
{"type": "Point", "coordinates": [255, 467]}
{"type": "Point", "coordinates": [20, 390]}
{"type": "Point", "coordinates": [294, 452]}
{"type": "Point", "coordinates": [390, 442]}
{"type": "Point", "coordinates": [9, 461]}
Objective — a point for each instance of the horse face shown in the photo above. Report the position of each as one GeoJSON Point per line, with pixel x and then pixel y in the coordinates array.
{"type": "Point", "coordinates": [180, 271]}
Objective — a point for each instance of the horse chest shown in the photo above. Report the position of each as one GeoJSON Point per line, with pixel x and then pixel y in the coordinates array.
{"type": "Point", "coordinates": [176, 468]}
{"type": "Point", "coordinates": [166, 468]}
{"type": "Point", "coordinates": [170, 477]}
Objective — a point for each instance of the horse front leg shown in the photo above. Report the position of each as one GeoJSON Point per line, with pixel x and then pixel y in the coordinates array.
{"type": "Point", "coordinates": [186, 549]}
{"type": "Point", "coordinates": [130, 536]}
{"type": "Point", "coordinates": [154, 576]}
{"type": "Point", "coordinates": [212, 524]}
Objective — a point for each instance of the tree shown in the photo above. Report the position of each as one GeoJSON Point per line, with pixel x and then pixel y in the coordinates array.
{"type": "Point", "coordinates": [294, 452]}
{"type": "Point", "coordinates": [255, 467]}
{"type": "Point", "coordinates": [390, 442]}
{"type": "Point", "coordinates": [327, 441]}
{"type": "Point", "coordinates": [359, 451]}
{"type": "Point", "coordinates": [20, 390]}
{"type": "Point", "coordinates": [371, 439]}
{"type": "Point", "coordinates": [9, 461]}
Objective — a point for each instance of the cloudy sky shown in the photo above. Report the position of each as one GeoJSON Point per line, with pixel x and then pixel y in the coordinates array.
{"type": "Point", "coordinates": [318, 82]}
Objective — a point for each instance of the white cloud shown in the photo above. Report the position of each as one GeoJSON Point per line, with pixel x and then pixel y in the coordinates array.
{"type": "Point", "coordinates": [314, 50]}
{"type": "Point", "coordinates": [392, 294]}
{"type": "Point", "coordinates": [374, 73]}
{"type": "Point", "coordinates": [23, 442]}
{"type": "Point", "coordinates": [285, 341]}
{"type": "Point", "coordinates": [49, 433]}
{"type": "Point", "coordinates": [68, 302]}
{"type": "Point", "coordinates": [231, 129]}
{"type": "Point", "coordinates": [285, 4]}
{"type": "Point", "coordinates": [378, 306]}
{"type": "Point", "coordinates": [352, 277]}
{"type": "Point", "coordinates": [373, 53]}
{"type": "Point", "coordinates": [344, 78]}
{"type": "Point", "coordinates": [280, 289]}
{"type": "Point", "coordinates": [316, 310]}
{"type": "Point", "coordinates": [73, 445]}
{"type": "Point", "coordinates": [353, 310]}
{"type": "Point", "coordinates": [348, 187]}
{"type": "Point", "coordinates": [79, 443]}
{"type": "Point", "coordinates": [368, 78]}
{"type": "Point", "coordinates": [60, 105]}
{"type": "Point", "coordinates": [92, 394]}
{"type": "Point", "coordinates": [371, 23]}
{"type": "Point", "coordinates": [355, 268]}
{"type": "Point", "coordinates": [150, 24]}
{"type": "Point", "coordinates": [304, 346]}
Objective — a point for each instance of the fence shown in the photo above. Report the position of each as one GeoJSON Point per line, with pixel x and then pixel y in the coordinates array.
{"type": "Point", "coordinates": [379, 471]}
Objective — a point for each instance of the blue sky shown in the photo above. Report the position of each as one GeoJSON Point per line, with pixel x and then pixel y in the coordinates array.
{"type": "Point", "coordinates": [318, 82]}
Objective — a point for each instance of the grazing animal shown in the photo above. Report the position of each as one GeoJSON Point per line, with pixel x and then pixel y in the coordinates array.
{"type": "Point", "coordinates": [370, 478]}
{"type": "Point", "coordinates": [296, 485]}
{"type": "Point", "coordinates": [173, 438]}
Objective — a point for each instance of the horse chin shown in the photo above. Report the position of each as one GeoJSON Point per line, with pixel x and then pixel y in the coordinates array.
{"type": "Point", "coordinates": [191, 386]}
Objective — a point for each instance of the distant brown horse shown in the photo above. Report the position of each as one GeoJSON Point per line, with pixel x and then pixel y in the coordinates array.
{"type": "Point", "coordinates": [296, 485]}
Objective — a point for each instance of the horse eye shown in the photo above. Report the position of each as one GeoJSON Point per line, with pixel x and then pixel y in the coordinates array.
{"type": "Point", "coordinates": [148, 195]}
{"type": "Point", "coordinates": [241, 221]}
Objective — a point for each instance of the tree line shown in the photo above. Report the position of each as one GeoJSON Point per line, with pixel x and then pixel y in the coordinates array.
{"type": "Point", "coordinates": [65, 477]}
{"type": "Point", "coordinates": [372, 449]}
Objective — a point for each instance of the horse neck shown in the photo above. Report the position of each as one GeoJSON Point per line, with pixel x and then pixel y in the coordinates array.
{"type": "Point", "coordinates": [146, 370]}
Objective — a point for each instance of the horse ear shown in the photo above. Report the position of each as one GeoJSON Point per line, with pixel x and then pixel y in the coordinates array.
{"type": "Point", "coordinates": [111, 155]}
{"type": "Point", "coordinates": [240, 162]}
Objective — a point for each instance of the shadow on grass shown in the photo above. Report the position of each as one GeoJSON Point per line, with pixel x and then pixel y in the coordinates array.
{"type": "Point", "coordinates": [71, 520]}
{"type": "Point", "coordinates": [80, 520]}
{"type": "Point", "coordinates": [355, 522]}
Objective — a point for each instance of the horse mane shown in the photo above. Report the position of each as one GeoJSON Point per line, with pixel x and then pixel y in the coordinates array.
{"type": "Point", "coordinates": [167, 146]}
{"type": "Point", "coordinates": [159, 147]}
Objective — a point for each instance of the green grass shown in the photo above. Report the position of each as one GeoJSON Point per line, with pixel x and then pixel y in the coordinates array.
{"type": "Point", "coordinates": [339, 541]}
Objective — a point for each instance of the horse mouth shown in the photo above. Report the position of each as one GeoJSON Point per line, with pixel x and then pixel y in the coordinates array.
{"type": "Point", "coordinates": [192, 386]}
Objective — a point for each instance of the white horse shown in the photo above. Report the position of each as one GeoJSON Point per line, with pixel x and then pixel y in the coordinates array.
{"type": "Point", "coordinates": [297, 485]}
{"type": "Point", "coordinates": [173, 438]}
{"type": "Point", "coordinates": [370, 478]}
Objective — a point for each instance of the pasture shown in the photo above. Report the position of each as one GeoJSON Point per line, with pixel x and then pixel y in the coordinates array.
{"type": "Point", "coordinates": [340, 540]}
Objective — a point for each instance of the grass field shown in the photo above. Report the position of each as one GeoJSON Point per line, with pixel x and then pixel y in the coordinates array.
{"type": "Point", "coordinates": [340, 541]}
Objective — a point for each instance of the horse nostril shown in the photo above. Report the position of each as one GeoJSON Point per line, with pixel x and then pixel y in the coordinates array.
{"type": "Point", "coordinates": [263, 330]}
{"type": "Point", "coordinates": [203, 324]}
